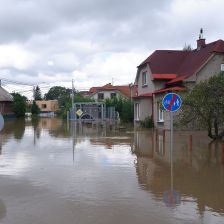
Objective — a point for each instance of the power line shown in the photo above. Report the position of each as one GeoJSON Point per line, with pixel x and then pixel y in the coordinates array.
{"type": "Point", "coordinates": [20, 83]}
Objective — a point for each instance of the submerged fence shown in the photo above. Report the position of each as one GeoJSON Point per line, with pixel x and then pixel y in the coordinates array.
{"type": "Point", "coordinates": [92, 112]}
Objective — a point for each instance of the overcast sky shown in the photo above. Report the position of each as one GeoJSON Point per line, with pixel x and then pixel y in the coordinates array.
{"type": "Point", "coordinates": [96, 41]}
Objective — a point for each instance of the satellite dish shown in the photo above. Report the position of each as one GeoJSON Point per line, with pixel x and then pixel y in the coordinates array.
{"type": "Point", "coordinates": [1, 122]}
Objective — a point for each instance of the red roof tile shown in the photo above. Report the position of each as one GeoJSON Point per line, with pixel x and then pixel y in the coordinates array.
{"type": "Point", "coordinates": [125, 90]}
{"type": "Point", "coordinates": [176, 88]}
{"type": "Point", "coordinates": [182, 63]}
{"type": "Point", "coordinates": [143, 95]}
{"type": "Point", "coordinates": [164, 76]}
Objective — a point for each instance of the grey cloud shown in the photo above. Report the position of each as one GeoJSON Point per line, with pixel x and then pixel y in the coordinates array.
{"type": "Point", "coordinates": [87, 29]}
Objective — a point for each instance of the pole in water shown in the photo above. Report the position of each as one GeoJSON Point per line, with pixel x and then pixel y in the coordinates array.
{"type": "Point", "coordinates": [171, 148]}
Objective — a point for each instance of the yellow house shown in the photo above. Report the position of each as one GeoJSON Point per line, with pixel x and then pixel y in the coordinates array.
{"type": "Point", "coordinates": [47, 106]}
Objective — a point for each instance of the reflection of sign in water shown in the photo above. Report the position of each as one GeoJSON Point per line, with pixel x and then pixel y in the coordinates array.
{"type": "Point", "coordinates": [171, 198]}
{"type": "Point", "coordinates": [79, 112]}
{"type": "Point", "coordinates": [172, 102]}
{"type": "Point", "coordinates": [1, 122]}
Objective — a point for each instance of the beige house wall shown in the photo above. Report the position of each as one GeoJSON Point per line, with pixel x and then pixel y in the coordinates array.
{"type": "Point", "coordinates": [150, 87]}
{"type": "Point", "coordinates": [212, 67]}
{"type": "Point", "coordinates": [145, 109]}
{"type": "Point", "coordinates": [48, 105]}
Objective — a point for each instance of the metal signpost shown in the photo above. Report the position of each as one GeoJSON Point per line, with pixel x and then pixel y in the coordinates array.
{"type": "Point", "coordinates": [172, 102]}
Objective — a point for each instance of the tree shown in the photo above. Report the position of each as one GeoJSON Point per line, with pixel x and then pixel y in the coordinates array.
{"type": "Point", "coordinates": [19, 104]}
{"type": "Point", "coordinates": [37, 93]}
{"type": "Point", "coordinates": [123, 106]}
{"type": "Point", "coordinates": [59, 93]}
{"type": "Point", "coordinates": [187, 47]}
{"type": "Point", "coordinates": [35, 110]}
{"type": "Point", "coordinates": [203, 106]}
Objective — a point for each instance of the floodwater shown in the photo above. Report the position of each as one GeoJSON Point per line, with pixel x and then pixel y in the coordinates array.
{"type": "Point", "coordinates": [55, 173]}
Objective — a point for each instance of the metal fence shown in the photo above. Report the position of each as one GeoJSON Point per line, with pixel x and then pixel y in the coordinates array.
{"type": "Point", "coordinates": [92, 112]}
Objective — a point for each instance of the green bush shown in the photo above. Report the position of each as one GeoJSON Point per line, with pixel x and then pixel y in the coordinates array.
{"type": "Point", "coordinates": [35, 109]}
{"type": "Point", "coordinates": [123, 106]}
{"type": "Point", "coordinates": [147, 122]}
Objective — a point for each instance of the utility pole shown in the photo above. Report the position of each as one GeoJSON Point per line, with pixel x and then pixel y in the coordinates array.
{"type": "Point", "coordinates": [33, 92]}
{"type": "Point", "coordinates": [72, 94]}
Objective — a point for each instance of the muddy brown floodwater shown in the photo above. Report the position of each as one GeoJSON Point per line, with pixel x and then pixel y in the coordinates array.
{"type": "Point", "coordinates": [55, 173]}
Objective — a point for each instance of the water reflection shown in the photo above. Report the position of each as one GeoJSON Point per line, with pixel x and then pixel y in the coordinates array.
{"type": "Point", "coordinates": [92, 173]}
{"type": "Point", "coordinates": [197, 171]}
{"type": "Point", "coordinates": [2, 209]}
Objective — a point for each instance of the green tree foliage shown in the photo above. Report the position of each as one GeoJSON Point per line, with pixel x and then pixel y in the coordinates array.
{"type": "Point", "coordinates": [35, 110]}
{"type": "Point", "coordinates": [19, 104]}
{"type": "Point", "coordinates": [59, 93]}
{"type": "Point", "coordinates": [123, 106]}
{"type": "Point", "coordinates": [37, 93]}
{"type": "Point", "coordinates": [203, 106]}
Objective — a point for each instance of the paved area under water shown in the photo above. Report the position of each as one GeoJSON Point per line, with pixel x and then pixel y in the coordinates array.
{"type": "Point", "coordinates": [54, 173]}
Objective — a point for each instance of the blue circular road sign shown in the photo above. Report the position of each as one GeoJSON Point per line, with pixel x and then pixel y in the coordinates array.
{"type": "Point", "coordinates": [172, 102]}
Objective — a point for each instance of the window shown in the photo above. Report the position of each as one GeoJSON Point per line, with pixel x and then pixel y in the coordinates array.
{"type": "Point", "coordinates": [137, 111]}
{"type": "Point", "coordinates": [113, 95]}
{"type": "Point", "coordinates": [43, 105]}
{"type": "Point", "coordinates": [159, 113]}
{"type": "Point", "coordinates": [144, 78]}
{"type": "Point", "coordinates": [222, 67]}
{"type": "Point", "coordinates": [100, 96]}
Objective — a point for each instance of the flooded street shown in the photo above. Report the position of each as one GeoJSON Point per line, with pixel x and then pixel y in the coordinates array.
{"type": "Point", "coordinates": [52, 173]}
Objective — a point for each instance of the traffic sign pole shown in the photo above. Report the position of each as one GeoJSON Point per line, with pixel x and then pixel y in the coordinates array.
{"type": "Point", "coordinates": [171, 102]}
{"type": "Point", "coordinates": [171, 148]}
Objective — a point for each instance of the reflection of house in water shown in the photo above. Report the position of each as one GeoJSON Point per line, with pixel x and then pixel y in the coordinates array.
{"type": "Point", "coordinates": [99, 134]}
{"type": "Point", "coordinates": [198, 171]}
{"type": "Point", "coordinates": [51, 124]}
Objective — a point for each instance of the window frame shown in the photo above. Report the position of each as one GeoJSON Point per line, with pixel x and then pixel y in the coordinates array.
{"type": "Point", "coordinates": [137, 111]}
{"type": "Point", "coordinates": [113, 95]}
{"type": "Point", "coordinates": [222, 67]}
{"type": "Point", "coordinates": [160, 113]}
{"type": "Point", "coordinates": [44, 106]}
{"type": "Point", "coordinates": [144, 78]}
{"type": "Point", "coordinates": [100, 98]}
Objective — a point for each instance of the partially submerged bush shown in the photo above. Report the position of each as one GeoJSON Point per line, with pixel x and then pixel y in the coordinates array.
{"type": "Point", "coordinates": [147, 122]}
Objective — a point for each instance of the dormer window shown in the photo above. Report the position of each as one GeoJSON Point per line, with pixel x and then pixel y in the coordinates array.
{"type": "Point", "coordinates": [222, 67]}
{"type": "Point", "coordinates": [144, 78]}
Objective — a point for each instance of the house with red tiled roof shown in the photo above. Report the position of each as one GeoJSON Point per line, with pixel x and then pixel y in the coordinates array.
{"type": "Point", "coordinates": [109, 91]}
{"type": "Point", "coordinates": [173, 70]}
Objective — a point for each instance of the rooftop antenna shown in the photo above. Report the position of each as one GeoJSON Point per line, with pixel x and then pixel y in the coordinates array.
{"type": "Point", "coordinates": [201, 34]}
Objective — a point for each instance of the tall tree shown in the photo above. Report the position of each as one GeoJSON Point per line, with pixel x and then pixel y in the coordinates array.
{"type": "Point", "coordinates": [203, 106]}
{"type": "Point", "coordinates": [59, 93]}
{"type": "Point", "coordinates": [37, 93]}
{"type": "Point", "coordinates": [19, 104]}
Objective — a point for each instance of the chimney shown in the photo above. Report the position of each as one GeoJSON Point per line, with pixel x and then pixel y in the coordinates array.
{"type": "Point", "coordinates": [201, 40]}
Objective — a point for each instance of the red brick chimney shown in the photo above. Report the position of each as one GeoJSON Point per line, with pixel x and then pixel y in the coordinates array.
{"type": "Point", "coordinates": [201, 41]}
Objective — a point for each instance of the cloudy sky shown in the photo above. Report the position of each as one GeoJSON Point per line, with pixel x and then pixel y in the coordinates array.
{"type": "Point", "coordinates": [51, 42]}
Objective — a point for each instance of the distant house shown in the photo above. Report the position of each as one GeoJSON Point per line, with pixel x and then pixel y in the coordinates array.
{"type": "Point", "coordinates": [109, 91]}
{"type": "Point", "coordinates": [47, 107]}
{"type": "Point", "coordinates": [173, 70]}
{"type": "Point", "coordinates": [6, 101]}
